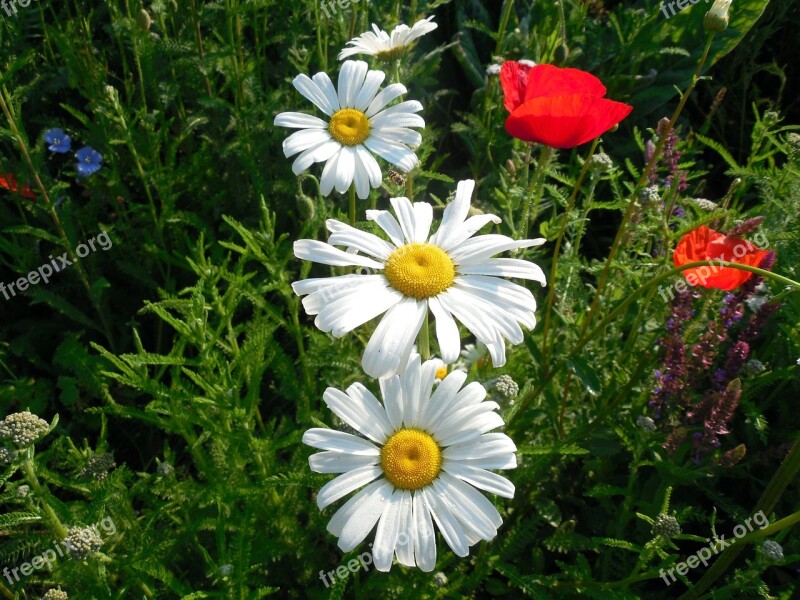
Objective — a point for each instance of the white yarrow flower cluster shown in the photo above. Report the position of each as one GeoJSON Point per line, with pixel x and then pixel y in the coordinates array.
{"type": "Point", "coordinates": [422, 455]}
{"type": "Point", "coordinates": [450, 272]}
{"type": "Point", "coordinates": [359, 125]}
{"type": "Point", "coordinates": [383, 45]}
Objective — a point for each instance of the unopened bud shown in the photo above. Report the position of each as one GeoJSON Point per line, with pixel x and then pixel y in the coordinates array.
{"type": "Point", "coordinates": [717, 18]}
{"type": "Point", "coordinates": [143, 20]}
{"type": "Point", "coordinates": [305, 206]}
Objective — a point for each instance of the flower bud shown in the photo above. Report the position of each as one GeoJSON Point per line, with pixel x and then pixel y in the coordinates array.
{"type": "Point", "coordinates": [143, 20]}
{"type": "Point", "coordinates": [717, 18]}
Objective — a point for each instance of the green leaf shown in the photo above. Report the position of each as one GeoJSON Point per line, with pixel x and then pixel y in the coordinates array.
{"type": "Point", "coordinates": [587, 375]}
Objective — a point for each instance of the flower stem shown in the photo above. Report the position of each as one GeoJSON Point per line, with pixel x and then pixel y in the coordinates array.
{"type": "Point", "coordinates": [554, 269]}
{"type": "Point", "coordinates": [51, 517]}
{"type": "Point", "coordinates": [353, 205]}
{"type": "Point", "coordinates": [534, 191]}
{"type": "Point", "coordinates": [640, 185]}
{"type": "Point", "coordinates": [507, 8]}
{"type": "Point", "coordinates": [424, 339]}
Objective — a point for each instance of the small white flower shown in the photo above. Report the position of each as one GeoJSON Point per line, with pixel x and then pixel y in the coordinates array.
{"type": "Point", "coordinates": [526, 62]}
{"type": "Point", "coordinates": [451, 272]}
{"type": "Point", "coordinates": [421, 458]}
{"type": "Point", "coordinates": [798, 362]}
{"type": "Point", "coordinates": [359, 125]}
{"type": "Point", "coordinates": [382, 45]}
{"type": "Point", "coordinates": [493, 70]}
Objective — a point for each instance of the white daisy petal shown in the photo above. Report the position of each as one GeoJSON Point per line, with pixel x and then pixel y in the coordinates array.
{"type": "Point", "coordinates": [406, 540]}
{"type": "Point", "coordinates": [388, 223]}
{"type": "Point", "coordinates": [298, 120]}
{"type": "Point", "coordinates": [406, 216]}
{"type": "Point", "coordinates": [346, 235]}
{"type": "Point", "coordinates": [423, 217]}
{"type": "Point", "coordinates": [386, 95]}
{"type": "Point", "coordinates": [360, 175]}
{"type": "Point", "coordinates": [488, 445]}
{"type": "Point", "coordinates": [370, 165]}
{"type": "Point", "coordinates": [483, 247]}
{"type": "Point", "coordinates": [392, 394]}
{"type": "Point", "coordinates": [446, 331]}
{"type": "Point", "coordinates": [460, 419]}
{"type": "Point", "coordinates": [451, 528]}
{"type": "Point", "coordinates": [482, 479]}
{"type": "Point", "coordinates": [407, 106]}
{"type": "Point", "coordinates": [478, 501]}
{"type": "Point", "coordinates": [316, 154]}
{"type": "Point", "coordinates": [501, 461]}
{"type": "Point", "coordinates": [345, 169]}
{"type": "Point", "coordinates": [377, 42]}
{"type": "Point", "coordinates": [328, 178]}
{"type": "Point", "coordinates": [339, 441]}
{"type": "Point", "coordinates": [410, 380]}
{"type": "Point", "coordinates": [397, 154]}
{"type": "Point", "coordinates": [322, 293]}
{"type": "Point", "coordinates": [369, 90]}
{"type": "Point", "coordinates": [463, 509]}
{"type": "Point", "coordinates": [522, 314]}
{"type": "Point", "coordinates": [303, 140]}
{"type": "Point", "coordinates": [361, 305]}
{"type": "Point", "coordinates": [353, 505]}
{"type": "Point", "coordinates": [424, 535]}
{"type": "Point", "coordinates": [441, 400]}
{"type": "Point", "coordinates": [377, 412]}
{"type": "Point", "coordinates": [351, 80]}
{"type": "Point", "coordinates": [467, 229]}
{"type": "Point", "coordinates": [363, 520]}
{"type": "Point", "coordinates": [365, 416]}
{"type": "Point", "coordinates": [336, 462]}
{"type": "Point", "coordinates": [388, 532]}
{"type": "Point", "coordinates": [506, 267]}
{"type": "Point", "coordinates": [397, 120]}
{"type": "Point", "coordinates": [479, 424]}
{"type": "Point", "coordinates": [329, 255]}
{"type": "Point", "coordinates": [344, 484]}
{"type": "Point", "coordinates": [454, 213]}
{"type": "Point", "coordinates": [406, 136]}
{"type": "Point", "coordinates": [325, 85]}
{"type": "Point", "coordinates": [306, 86]}
{"type": "Point", "coordinates": [391, 342]}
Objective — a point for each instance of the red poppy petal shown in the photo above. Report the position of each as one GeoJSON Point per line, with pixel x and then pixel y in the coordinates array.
{"type": "Point", "coordinates": [513, 80]}
{"type": "Point", "coordinates": [548, 80]}
{"type": "Point", "coordinates": [565, 121]}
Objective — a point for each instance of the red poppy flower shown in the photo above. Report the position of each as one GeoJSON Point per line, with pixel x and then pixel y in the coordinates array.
{"type": "Point", "coordinates": [561, 108]}
{"type": "Point", "coordinates": [9, 182]}
{"type": "Point", "coordinates": [706, 244]}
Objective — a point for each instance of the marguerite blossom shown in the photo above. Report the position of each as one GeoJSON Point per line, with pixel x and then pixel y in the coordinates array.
{"type": "Point", "coordinates": [451, 272]}
{"type": "Point", "coordinates": [380, 44]}
{"type": "Point", "coordinates": [421, 456]}
{"type": "Point", "coordinates": [359, 125]}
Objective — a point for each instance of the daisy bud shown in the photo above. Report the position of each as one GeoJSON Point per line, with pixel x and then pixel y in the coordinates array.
{"type": "Point", "coordinates": [305, 206]}
{"type": "Point", "coordinates": [717, 18]}
{"type": "Point", "coordinates": [81, 542]}
{"type": "Point", "coordinates": [666, 526]}
{"type": "Point", "coordinates": [55, 595]}
{"type": "Point", "coordinates": [143, 20]}
{"type": "Point", "coordinates": [23, 428]}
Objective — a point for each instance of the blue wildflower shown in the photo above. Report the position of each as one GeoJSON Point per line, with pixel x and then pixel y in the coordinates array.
{"type": "Point", "coordinates": [59, 141]}
{"type": "Point", "coordinates": [89, 161]}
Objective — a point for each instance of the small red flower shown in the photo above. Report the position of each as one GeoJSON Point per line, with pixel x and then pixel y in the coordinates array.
{"type": "Point", "coordinates": [706, 244]}
{"type": "Point", "coordinates": [561, 108]}
{"type": "Point", "coordinates": [9, 182]}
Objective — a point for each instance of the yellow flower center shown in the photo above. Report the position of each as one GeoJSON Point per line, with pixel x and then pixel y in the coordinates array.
{"type": "Point", "coordinates": [420, 270]}
{"type": "Point", "coordinates": [441, 372]}
{"type": "Point", "coordinates": [411, 459]}
{"type": "Point", "coordinates": [391, 54]}
{"type": "Point", "coordinates": [349, 126]}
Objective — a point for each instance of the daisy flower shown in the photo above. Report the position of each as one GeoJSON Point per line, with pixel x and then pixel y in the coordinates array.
{"type": "Point", "coordinates": [421, 456]}
{"type": "Point", "coordinates": [380, 44]}
{"type": "Point", "coordinates": [359, 126]}
{"type": "Point", "coordinates": [451, 272]}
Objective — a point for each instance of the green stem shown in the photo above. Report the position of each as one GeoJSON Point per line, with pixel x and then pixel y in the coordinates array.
{"type": "Point", "coordinates": [640, 185]}
{"type": "Point", "coordinates": [507, 8]}
{"type": "Point", "coordinates": [534, 192]}
{"type": "Point", "coordinates": [353, 205]}
{"type": "Point", "coordinates": [785, 475]}
{"type": "Point", "coordinates": [424, 339]}
{"type": "Point", "coordinates": [41, 493]}
{"type": "Point", "coordinates": [551, 293]}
